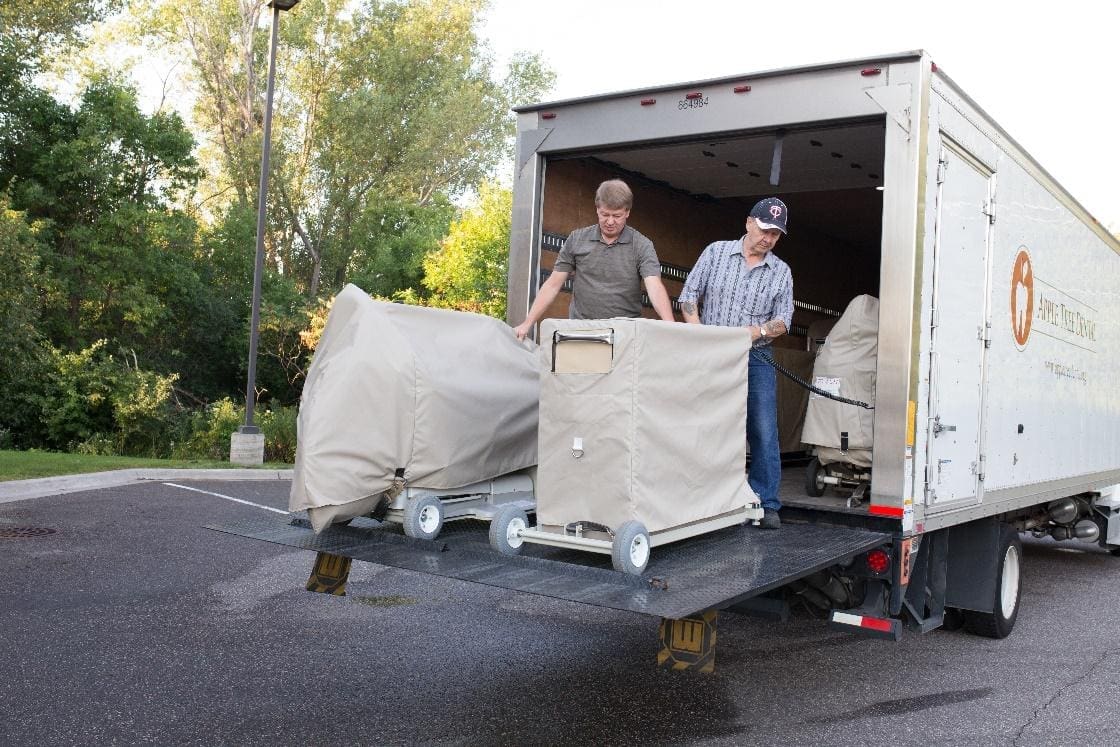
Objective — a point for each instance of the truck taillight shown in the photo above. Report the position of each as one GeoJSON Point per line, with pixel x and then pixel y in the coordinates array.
{"type": "Point", "coordinates": [878, 561]}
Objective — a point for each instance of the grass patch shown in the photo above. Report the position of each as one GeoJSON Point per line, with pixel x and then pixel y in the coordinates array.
{"type": "Point", "coordinates": [24, 465]}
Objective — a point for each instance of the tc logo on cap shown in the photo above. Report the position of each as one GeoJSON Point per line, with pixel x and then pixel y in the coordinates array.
{"type": "Point", "coordinates": [770, 213]}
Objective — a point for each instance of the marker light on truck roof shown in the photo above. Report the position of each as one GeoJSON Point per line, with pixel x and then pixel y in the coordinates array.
{"type": "Point", "coordinates": [548, 115]}
{"type": "Point", "coordinates": [867, 71]}
{"type": "Point", "coordinates": [694, 95]}
{"type": "Point", "coordinates": [742, 89]}
{"type": "Point", "coordinates": [878, 561]}
{"type": "Point", "coordinates": [649, 102]}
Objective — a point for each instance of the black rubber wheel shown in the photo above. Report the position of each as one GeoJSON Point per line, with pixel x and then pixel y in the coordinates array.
{"type": "Point", "coordinates": [1115, 551]}
{"type": "Point", "coordinates": [630, 549]}
{"type": "Point", "coordinates": [1009, 586]}
{"type": "Point", "coordinates": [813, 484]}
{"type": "Point", "coordinates": [423, 517]}
{"type": "Point", "coordinates": [505, 530]}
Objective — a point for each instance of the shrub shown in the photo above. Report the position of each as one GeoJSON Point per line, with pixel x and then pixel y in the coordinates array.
{"type": "Point", "coordinates": [279, 427]}
{"type": "Point", "coordinates": [210, 430]}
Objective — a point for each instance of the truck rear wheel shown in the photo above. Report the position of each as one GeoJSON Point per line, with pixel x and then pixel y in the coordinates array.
{"type": "Point", "coordinates": [813, 484]}
{"type": "Point", "coordinates": [1009, 585]}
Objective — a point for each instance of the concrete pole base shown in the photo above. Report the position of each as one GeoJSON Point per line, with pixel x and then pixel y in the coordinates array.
{"type": "Point", "coordinates": [246, 448]}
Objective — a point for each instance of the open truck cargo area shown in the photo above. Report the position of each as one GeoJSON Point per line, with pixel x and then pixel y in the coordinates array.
{"type": "Point", "coordinates": [993, 408]}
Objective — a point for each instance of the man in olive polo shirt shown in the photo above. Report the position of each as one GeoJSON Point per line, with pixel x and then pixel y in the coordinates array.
{"type": "Point", "coordinates": [611, 262]}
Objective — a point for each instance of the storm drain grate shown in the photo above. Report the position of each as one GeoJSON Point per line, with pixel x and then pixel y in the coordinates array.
{"type": "Point", "coordinates": [23, 532]}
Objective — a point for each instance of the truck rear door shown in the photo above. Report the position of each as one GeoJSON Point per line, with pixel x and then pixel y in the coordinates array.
{"type": "Point", "coordinates": [959, 297]}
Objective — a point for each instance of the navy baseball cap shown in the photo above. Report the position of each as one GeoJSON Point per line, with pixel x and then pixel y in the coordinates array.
{"type": "Point", "coordinates": [770, 213]}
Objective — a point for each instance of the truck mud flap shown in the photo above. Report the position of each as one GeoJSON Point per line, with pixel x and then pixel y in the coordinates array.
{"type": "Point", "coordinates": [684, 579]}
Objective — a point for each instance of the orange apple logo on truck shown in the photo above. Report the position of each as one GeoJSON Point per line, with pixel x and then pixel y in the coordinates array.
{"type": "Point", "coordinates": [1022, 297]}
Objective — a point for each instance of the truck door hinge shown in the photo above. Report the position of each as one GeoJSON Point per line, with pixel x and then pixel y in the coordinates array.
{"type": "Point", "coordinates": [977, 468]}
{"type": "Point", "coordinates": [942, 167]}
{"type": "Point", "coordinates": [990, 210]}
{"type": "Point", "coordinates": [984, 334]}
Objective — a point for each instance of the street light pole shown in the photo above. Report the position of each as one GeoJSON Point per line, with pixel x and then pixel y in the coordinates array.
{"type": "Point", "coordinates": [247, 444]}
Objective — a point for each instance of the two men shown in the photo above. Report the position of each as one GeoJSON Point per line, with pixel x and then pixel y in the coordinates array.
{"type": "Point", "coordinates": [611, 262]}
{"type": "Point", "coordinates": [743, 284]}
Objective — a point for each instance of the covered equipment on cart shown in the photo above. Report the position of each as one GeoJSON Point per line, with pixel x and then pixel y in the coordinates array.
{"type": "Point", "coordinates": [642, 420]}
{"type": "Point", "coordinates": [410, 396]}
{"type": "Point", "coordinates": [838, 432]}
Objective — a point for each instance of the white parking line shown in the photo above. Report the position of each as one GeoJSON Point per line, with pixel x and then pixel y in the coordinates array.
{"type": "Point", "coordinates": [228, 498]}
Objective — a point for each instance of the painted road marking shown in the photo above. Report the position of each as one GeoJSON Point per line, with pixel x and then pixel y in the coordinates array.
{"type": "Point", "coordinates": [228, 498]}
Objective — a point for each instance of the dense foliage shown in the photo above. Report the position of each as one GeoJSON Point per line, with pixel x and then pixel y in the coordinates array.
{"type": "Point", "coordinates": [127, 236]}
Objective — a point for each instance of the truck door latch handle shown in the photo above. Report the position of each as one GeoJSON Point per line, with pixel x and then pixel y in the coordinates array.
{"type": "Point", "coordinates": [937, 427]}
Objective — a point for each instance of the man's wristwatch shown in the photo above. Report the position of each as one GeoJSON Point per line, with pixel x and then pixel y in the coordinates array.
{"type": "Point", "coordinates": [762, 331]}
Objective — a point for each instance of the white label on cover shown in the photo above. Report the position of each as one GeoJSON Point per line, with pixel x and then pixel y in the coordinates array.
{"type": "Point", "coordinates": [830, 384]}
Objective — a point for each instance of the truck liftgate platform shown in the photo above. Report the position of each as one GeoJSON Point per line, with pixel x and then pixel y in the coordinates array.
{"type": "Point", "coordinates": [684, 585]}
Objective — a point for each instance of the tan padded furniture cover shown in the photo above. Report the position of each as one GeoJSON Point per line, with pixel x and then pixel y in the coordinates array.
{"type": "Point", "coordinates": [448, 396]}
{"type": "Point", "coordinates": [660, 437]}
{"type": "Point", "coordinates": [846, 366]}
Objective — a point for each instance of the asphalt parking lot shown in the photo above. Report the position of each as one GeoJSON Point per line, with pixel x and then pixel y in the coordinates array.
{"type": "Point", "coordinates": [130, 623]}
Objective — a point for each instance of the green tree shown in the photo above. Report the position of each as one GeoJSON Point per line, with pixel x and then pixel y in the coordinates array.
{"type": "Point", "coordinates": [31, 29]}
{"type": "Point", "coordinates": [99, 179]}
{"type": "Point", "coordinates": [22, 350]}
{"type": "Point", "coordinates": [468, 271]}
{"type": "Point", "coordinates": [381, 107]}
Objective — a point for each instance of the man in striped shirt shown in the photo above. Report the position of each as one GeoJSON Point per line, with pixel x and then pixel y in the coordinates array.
{"type": "Point", "coordinates": [742, 283]}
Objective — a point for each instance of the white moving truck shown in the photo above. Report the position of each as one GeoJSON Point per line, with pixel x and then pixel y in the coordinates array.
{"type": "Point", "coordinates": [995, 411]}
{"type": "Point", "coordinates": [995, 408]}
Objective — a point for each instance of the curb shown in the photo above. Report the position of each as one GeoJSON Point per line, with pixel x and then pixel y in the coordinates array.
{"type": "Point", "coordinates": [19, 490]}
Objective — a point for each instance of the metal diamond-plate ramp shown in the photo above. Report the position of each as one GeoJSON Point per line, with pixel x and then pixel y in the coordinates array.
{"type": "Point", "coordinates": [684, 578]}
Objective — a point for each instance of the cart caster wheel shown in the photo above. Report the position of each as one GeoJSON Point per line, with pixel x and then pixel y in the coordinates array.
{"type": "Point", "coordinates": [630, 549]}
{"type": "Point", "coordinates": [813, 484]}
{"type": "Point", "coordinates": [506, 528]}
{"type": "Point", "coordinates": [423, 517]}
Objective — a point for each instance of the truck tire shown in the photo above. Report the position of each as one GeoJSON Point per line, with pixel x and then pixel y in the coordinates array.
{"type": "Point", "coordinates": [813, 484]}
{"type": "Point", "coordinates": [505, 530]}
{"type": "Point", "coordinates": [630, 549]}
{"type": "Point", "coordinates": [1009, 585]}
{"type": "Point", "coordinates": [423, 517]}
{"type": "Point", "coordinates": [953, 620]}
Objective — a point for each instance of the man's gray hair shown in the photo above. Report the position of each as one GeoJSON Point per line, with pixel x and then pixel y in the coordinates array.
{"type": "Point", "coordinates": [613, 194]}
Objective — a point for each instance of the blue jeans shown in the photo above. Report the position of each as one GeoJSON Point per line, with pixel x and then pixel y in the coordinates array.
{"type": "Point", "coordinates": [762, 431]}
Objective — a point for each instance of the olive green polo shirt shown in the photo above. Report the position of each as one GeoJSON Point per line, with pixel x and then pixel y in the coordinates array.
{"type": "Point", "coordinates": [607, 278]}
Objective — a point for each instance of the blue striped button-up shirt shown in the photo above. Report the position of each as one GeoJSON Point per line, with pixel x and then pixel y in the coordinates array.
{"type": "Point", "coordinates": [731, 295]}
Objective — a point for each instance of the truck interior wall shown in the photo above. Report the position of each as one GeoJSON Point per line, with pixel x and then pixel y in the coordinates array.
{"type": "Point", "coordinates": [828, 270]}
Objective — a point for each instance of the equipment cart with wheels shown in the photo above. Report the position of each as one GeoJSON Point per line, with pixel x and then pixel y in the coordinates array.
{"type": "Point", "coordinates": [414, 415]}
{"type": "Point", "coordinates": [840, 434]}
{"type": "Point", "coordinates": [626, 463]}
{"type": "Point", "coordinates": [422, 512]}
